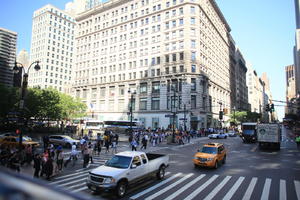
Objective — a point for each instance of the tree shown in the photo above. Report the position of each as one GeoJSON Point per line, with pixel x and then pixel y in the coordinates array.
{"type": "Point", "coordinates": [9, 99]}
{"type": "Point", "coordinates": [70, 107]}
{"type": "Point", "coordinates": [238, 117]}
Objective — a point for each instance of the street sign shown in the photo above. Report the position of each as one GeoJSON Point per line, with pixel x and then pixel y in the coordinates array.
{"type": "Point", "coordinates": [183, 119]}
{"type": "Point", "coordinates": [168, 115]}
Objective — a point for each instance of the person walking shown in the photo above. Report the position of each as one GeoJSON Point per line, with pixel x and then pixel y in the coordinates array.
{"type": "Point", "coordinates": [114, 144]}
{"type": "Point", "coordinates": [86, 157]}
{"type": "Point", "coordinates": [144, 142]}
{"type": "Point", "coordinates": [133, 145]}
{"type": "Point", "coordinates": [98, 147]}
{"type": "Point", "coordinates": [59, 158]}
{"type": "Point", "coordinates": [37, 165]}
{"type": "Point", "coordinates": [49, 168]}
{"type": "Point", "coordinates": [106, 143]}
{"type": "Point", "coordinates": [90, 148]}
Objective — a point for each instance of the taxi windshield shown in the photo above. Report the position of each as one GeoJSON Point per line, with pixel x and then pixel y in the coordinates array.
{"type": "Point", "coordinates": [210, 150]}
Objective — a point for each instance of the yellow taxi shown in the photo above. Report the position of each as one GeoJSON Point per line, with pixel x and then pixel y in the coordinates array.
{"type": "Point", "coordinates": [14, 141]}
{"type": "Point", "coordinates": [211, 155]}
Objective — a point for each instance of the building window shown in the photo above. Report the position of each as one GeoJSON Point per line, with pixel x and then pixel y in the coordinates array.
{"type": "Point", "coordinates": [181, 56]}
{"type": "Point", "coordinates": [102, 92]}
{"type": "Point", "coordinates": [193, 21]}
{"type": "Point", "coordinates": [155, 103]}
{"type": "Point", "coordinates": [121, 91]}
{"type": "Point", "coordinates": [193, 56]}
{"type": "Point", "coordinates": [192, 10]}
{"type": "Point", "coordinates": [193, 68]}
{"type": "Point", "coordinates": [181, 68]}
{"type": "Point", "coordinates": [143, 104]}
{"type": "Point", "coordinates": [155, 87]}
{"type": "Point", "coordinates": [167, 58]}
{"type": "Point", "coordinates": [193, 84]}
{"type": "Point", "coordinates": [174, 57]}
{"type": "Point", "coordinates": [143, 88]}
{"type": "Point", "coordinates": [193, 44]}
{"type": "Point", "coordinates": [167, 70]}
{"type": "Point", "coordinates": [180, 21]}
{"type": "Point", "coordinates": [193, 101]}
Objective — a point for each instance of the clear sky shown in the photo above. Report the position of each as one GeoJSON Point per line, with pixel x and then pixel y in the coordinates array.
{"type": "Point", "coordinates": [264, 30]}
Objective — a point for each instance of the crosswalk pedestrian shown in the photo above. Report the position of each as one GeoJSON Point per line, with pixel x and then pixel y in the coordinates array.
{"type": "Point", "coordinates": [195, 186]}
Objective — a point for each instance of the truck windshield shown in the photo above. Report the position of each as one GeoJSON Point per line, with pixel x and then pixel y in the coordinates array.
{"type": "Point", "coordinates": [210, 150]}
{"type": "Point", "coordinates": [122, 162]}
{"type": "Point", "coordinates": [249, 132]}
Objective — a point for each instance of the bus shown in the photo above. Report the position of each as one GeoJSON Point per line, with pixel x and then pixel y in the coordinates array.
{"type": "Point", "coordinates": [120, 126]}
{"type": "Point", "coordinates": [249, 132]}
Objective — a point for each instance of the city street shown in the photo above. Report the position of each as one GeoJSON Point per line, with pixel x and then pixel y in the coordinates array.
{"type": "Point", "coordinates": [249, 173]}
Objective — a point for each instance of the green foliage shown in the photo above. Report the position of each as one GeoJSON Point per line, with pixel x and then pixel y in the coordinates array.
{"type": "Point", "coordinates": [9, 99]}
{"type": "Point", "coordinates": [41, 104]}
{"type": "Point", "coordinates": [243, 116]}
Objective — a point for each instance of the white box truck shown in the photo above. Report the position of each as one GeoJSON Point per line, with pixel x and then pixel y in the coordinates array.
{"type": "Point", "coordinates": [269, 135]}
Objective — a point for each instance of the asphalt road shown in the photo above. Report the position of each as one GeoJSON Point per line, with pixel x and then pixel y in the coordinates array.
{"type": "Point", "coordinates": [249, 173]}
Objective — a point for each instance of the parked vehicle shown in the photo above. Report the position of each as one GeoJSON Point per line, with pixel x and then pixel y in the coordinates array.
{"type": "Point", "coordinates": [217, 136]}
{"type": "Point", "coordinates": [63, 140]}
{"type": "Point", "coordinates": [249, 132]}
{"type": "Point", "coordinates": [269, 135]}
{"type": "Point", "coordinates": [211, 155]}
{"type": "Point", "coordinates": [125, 169]}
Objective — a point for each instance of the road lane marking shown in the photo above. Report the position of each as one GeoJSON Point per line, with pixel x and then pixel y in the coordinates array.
{"type": "Point", "coordinates": [266, 190]}
{"type": "Point", "coordinates": [282, 194]}
{"type": "Point", "coordinates": [250, 189]}
{"type": "Point", "coordinates": [68, 188]}
{"type": "Point", "coordinates": [234, 188]}
{"type": "Point", "coordinates": [169, 187]}
{"type": "Point", "coordinates": [254, 149]}
{"type": "Point", "coordinates": [57, 178]}
{"type": "Point", "coordinates": [202, 187]}
{"type": "Point", "coordinates": [68, 183]}
{"type": "Point", "coordinates": [218, 188]}
{"type": "Point", "coordinates": [175, 194]}
{"type": "Point", "coordinates": [67, 179]}
{"type": "Point", "coordinates": [80, 189]}
{"type": "Point", "coordinates": [155, 186]}
{"type": "Point", "coordinates": [297, 188]}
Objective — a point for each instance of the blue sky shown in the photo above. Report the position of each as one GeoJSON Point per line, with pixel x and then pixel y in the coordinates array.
{"type": "Point", "coordinates": [264, 30]}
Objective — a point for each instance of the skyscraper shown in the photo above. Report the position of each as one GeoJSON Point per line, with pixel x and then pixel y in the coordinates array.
{"type": "Point", "coordinates": [52, 44]}
{"type": "Point", "coordinates": [173, 54]}
{"type": "Point", "coordinates": [297, 47]}
{"type": "Point", "coordinates": [8, 42]}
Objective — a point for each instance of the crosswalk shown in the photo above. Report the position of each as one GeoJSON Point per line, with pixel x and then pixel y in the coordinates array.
{"type": "Point", "coordinates": [195, 186]}
{"type": "Point", "coordinates": [208, 187]}
{"type": "Point", "coordinates": [76, 181]}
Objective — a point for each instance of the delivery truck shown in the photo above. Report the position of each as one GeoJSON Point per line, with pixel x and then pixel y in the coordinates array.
{"type": "Point", "coordinates": [269, 135]}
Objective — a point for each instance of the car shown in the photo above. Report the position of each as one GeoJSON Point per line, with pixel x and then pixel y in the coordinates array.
{"type": "Point", "coordinates": [63, 140]}
{"type": "Point", "coordinates": [211, 155]}
{"type": "Point", "coordinates": [231, 133]}
{"type": "Point", "coordinates": [14, 141]}
{"type": "Point", "coordinates": [217, 136]}
{"type": "Point", "coordinates": [7, 134]}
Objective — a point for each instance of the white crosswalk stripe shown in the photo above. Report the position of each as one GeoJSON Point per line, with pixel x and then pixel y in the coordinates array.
{"type": "Point", "coordinates": [282, 189]}
{"type": "Point", "coordinates": [234, 188]}
{"type": "Point", "coordinates": [297, 188]}
{"type": "Point", "coordinates": [250, 189]}
{"type": "Point", "coordinates": [218, 188]}
{"type": "Point", "coordinates": [169, 187]}
{"type": "Point", "coordinates": [266, 190]}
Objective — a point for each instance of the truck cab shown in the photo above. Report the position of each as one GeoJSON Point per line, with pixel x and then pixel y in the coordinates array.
{"type": "Point", "coordinates": [125, 169]}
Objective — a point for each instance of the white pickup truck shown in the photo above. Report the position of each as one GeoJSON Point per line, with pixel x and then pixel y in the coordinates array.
{"type": "Point", "coordinates": [126, 168]}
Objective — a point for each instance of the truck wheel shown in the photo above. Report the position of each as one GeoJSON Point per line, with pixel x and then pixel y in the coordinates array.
{"type": "Point", "coordinates": [216, 164]}
{"type": "Point", "coordinates": [224, 160]}
{"type": "Point", "coordinates": [161, 173]}
{"type": "Point", "coordinates": [121, 189]}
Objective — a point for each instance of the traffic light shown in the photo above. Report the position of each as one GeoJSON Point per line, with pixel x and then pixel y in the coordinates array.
{"type": "Point", "coordinates": [18, 131]}
{"type": "Point", "coordinates": [221, 115]}
{"type": "Point", "coordinates": [17, 79]}
{"type": "Point", "coordinates": [272, 109]}
{"type": "Point", "coordinates": [267, 108]}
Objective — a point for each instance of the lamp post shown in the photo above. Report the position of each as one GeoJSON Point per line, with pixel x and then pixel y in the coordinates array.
{"type": "Point", "coordinates": [173, 109]}
{"type": "Point", "coordinates": [234, 117]}
{"type": "Point", "coordinates": [131, 109]}
{"type": "Point", "coordinates": [17, 68]}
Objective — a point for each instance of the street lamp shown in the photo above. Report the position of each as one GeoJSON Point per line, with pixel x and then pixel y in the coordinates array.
{"type": "Point", "coordinates": [173, 109]}
{"type": "Point", "coordinates": [17, 68]}
{"type": "Point", "coordinates": [131, 109]}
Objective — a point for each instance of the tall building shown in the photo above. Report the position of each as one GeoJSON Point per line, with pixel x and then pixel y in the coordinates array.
{"type": "Point", "coordinates": [8, 43]}
{"type": "Point", "coordinates": [241, 82]}
{"type": "Point", "coordinates": [256, 91]}
{"type": "Point", "coordinates": [52, 43]}
{"type": "Point", "coordinates": [174, 56]}
{"type": "Point", "coordinates": [23, 58]}
{"type": "Point", "coordinates": [290, 89]}
{"type": "Point", "coordinates": [297, 47]}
